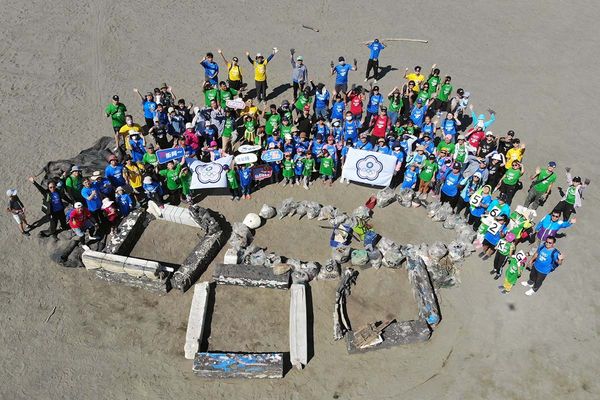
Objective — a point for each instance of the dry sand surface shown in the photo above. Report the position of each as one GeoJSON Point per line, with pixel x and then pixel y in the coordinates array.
{"type": "Point", "coordinates": [534, 62]}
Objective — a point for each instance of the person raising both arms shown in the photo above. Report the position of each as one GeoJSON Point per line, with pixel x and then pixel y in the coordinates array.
{"type": "Point", "coordinates": [375, 48]}
{"type": "Point", "coordinates": [260, 73]}
{"type": "Point", "coordinates": [573, 196]}
{"type": "Point", "coordinates": [341, 74]}
{"type": "Point", "coordinates": [234, 72]}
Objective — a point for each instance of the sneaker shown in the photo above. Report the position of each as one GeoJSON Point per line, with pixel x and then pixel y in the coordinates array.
{"type": "Point", "coordinates": [526, 284]}
{"type": "Point", "coordinates": [306, 186]}
{"type": "Point", "coordinates": [25, 233]}
{"type": "Point", "coordinates": [530, 292]}
{"type": "Point", "coordinates": [237, 198]}
{"type": "Point", "coordinates": [347, 182]}
{"type": "Point", "coordinates": [366, 79]}
{"type": "Point", "coordinates": [480, 254]}
{"type": "Point", "coordinates": [504, 291]}
{"type": "Point", "coordinates": [486, 257]}
{"type": "Point", "coordinates": [497, 276]}
{"type": "Point", "coordinates": [492, 272]}
{"type": "Point", "coordinates": [284, 183]}
{"type": "Point", "coordinates": [374, 80]}
{"type": "Point", "coordinates": [232, 198]}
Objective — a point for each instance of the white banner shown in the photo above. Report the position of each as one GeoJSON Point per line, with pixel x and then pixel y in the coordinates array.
{"type": "Point", "coordinates": [209, 175]}
{"type": "Point", "coordinates": [369, 167]}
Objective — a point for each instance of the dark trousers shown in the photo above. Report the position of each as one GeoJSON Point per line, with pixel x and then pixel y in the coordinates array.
{"type": "Point", "coordinates": [499, 262]}
{"type": "Point", "coordinates": [372, 65]}
{"type": "Point", "coordinates": [461, 204]}
{"type": "Point", "coordinates": [297, 86]}
{"type": "Point", "coordinates": [509, 191]}
{"type": "Point", "coordinates": [536, 279]}
{"type": "Point", "coordinates": [235, 85]}
{"type": "Point", "coordinates": [174, 196]}
{"type": "Point", "coordinates": [261, 90]}
{"type": "Point", "coordinates": [565, 208]}
{"type": "Point", "coordinates": [475, 221]}
{"type": "Point", "coordinates": [235, 192]}
{"type": "Point", "coordinates": [57, 217]}
{"type": "Point", "coordinates": [444, 198]}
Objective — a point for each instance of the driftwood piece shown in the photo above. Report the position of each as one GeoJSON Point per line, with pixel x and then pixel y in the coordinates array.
{"type": "Point", "coordinates": [423, 291]}
{"type": "Point", "coordinates": [250, 275]}
{"type": "Point", "coordinates": [397, 333]}
{"type": "Point", "coordinates": [239, 365]}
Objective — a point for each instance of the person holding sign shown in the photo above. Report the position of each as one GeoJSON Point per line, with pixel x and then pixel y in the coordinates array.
{"type": "Point", "coordinates": [505, 249]}
{"type": "Point", "coordinates": [516, 264]}
{"type": "Point", "coordinates": [544, 261]}
{"type": "Point", "coordinates": [173, 181]}
{"type": "Point", "coordinates": [495, 230]}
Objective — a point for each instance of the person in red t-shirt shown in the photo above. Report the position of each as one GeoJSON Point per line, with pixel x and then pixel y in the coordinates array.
{"type": "Point", "coordinates": [474, 137]}
{"type": "Point", "coordinates": [81, 220]}
{"type": "Point", "coordinates": [356, 103]}
{"type": "Point", "coordinates": [111, 213]}
{"type": "Point", "coordinates": [380, 125]}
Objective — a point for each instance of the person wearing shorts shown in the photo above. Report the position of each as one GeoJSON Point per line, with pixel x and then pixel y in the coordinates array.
{"type": "Point", "coordinates": [17, 210]}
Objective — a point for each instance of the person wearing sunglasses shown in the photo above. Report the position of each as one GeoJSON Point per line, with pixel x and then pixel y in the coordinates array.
{"type": "Point", "coordinates": [53, 205]}
{"type": "Point", "coordinates": [544, 261]}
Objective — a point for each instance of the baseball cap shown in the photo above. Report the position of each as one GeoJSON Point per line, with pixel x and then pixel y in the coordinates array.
{"type": "Point", "coordinates": [497, 157]}
{"type": "Point", "coordinates": [235, 59]}
{"type": "Point", "coordinates": [431, 157]}
{"type": "Point", "coordinates": [461, 137]}
{"type": "Point", "coordinates": [77, 205]}
{"type": "Point", "coordinates": [11, 192]}
{"type": "Point", "coordinates": [552, 164]}
{"type": "Point", "coordinates": [170, 110]}
{"type": "Point", "coordinates": [456, 166]}
{"type": "Point", "coordinates": [115, 98]}
{"type": "Point", "coordinates": [258, 55]}
{"type": "Point", "coordinates": [477, 174]}
{"type": "Point", "coordinates": [120, 189]}
{"type": "Point", "coordinates": [419, 101]}
{"type": "Point", "coordinates": [299, 58]}
{"type": "Point", "coordinates": [148, 180]}
{"type": "Point", "coordinates": [489, 133]}
{"type": "Point", "coordinates": [164, 85]}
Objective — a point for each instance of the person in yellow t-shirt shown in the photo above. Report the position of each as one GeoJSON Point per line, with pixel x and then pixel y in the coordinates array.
{"type": "Point", "coordinates": [129, 126]}
{"type": "Point", "coordinates": [515, 153]}
{"type": "Point", "coordinates": [417, 77]}
{"type": "Point", "coordinates": [133, 172]}
{"type": "Point", "coordinates": [234, 72]}
{"type": "Point", "coordinates": [260, 73]}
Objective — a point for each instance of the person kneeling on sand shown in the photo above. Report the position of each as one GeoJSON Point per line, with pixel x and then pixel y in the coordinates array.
{"type": "Point", "coordinates": [82, 221]}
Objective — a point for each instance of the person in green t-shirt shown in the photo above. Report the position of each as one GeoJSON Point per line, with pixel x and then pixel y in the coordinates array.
{"type": "Point", "coordinates": [434, 80]}
{"type": "Point", "coordinates": [308, 169]}
{"type": "Point", "coordinates": [541, 185]}
{"type": "Point", "coordinates": [116, 111]}
{"type": "Point", "coordinates": [443, 94]}
{"type": "Point", "coordinates": [185, 176]}
{"type": "Point", "coordinates": [424, 94]}
{"type": "Point", "coordinates": [272, 119]}
{"type": "Point", "coordinates": [460, 150]}
{"type": "Point", "coordinates": [327, 168]}
{"type": "Point", "coordinates": [427, 176]}
{"type": "Point", "coordinates": [516, 264]}
{"type": "Point", "coordinates": [446, 145]}
{"type": "Point", "coordinates": [228, 129]}
{"type": "Point", "coordinates": [509, 184]}
{"type": "Point", "coordinates": [395, 98]}
{"type": "Point", "coordinates": [304, 99]}
{"type": "Point", "coordinates": [505, 249]}
{"type": "Point", "coordinates": [226, 93]}
{"type": "Point", "coordinates": [173, 183]}
{"type": "Point", "coordinates": [210, 93]}
{"type": "Point", "coordinates": [74, 184]}
{"type": "Point", "coordinates": [287, 166]}
{"type": "Point", "coordinates": [232, 183]}
{"type": "Point", "coordinates": [150, 157]}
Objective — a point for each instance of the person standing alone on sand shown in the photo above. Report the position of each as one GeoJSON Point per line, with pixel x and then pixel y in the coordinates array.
{"type": "Point", "coordinates": [373, 64]}
{"type": "Point", "coordinates": [17, 209]}
{"type": "Point", "coordinates": [116, 111]}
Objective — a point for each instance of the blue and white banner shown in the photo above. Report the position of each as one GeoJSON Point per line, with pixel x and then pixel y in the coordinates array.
{"type": "Point", "coordinates": [369, 167]}
{"type": "Point", "coordinates": [209, 175]}
{"type": "Point", "coordinates": [166, 155]}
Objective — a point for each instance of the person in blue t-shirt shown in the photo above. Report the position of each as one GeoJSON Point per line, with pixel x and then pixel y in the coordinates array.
{"type": "Point", "coordinates": [93, 200]}
{"type": "Point", "coordinates": [493, 235]}
{"type": "Point", "coordinates": [478, 204]}
{"type": "Point", "coordinates": [417, 114]}
{"type": "Point", "coordinates": [341, 70]}
{"type": "Point", "coordinates": [449, 125]}
{"type": "Point", "coordinates": [351, 127]}
{"type": "Point", "coordinates": [211, 69]}
{"type": "Point", "coordinates": [338, 107]}
{"type": "Point", "coordinates": [410, 177]}
{"type": "Point", "coordinates": [245, 174]}
{"type": "Point", "coordinates": [375, 101]}
{"type": "Point", "coordinates": [321, 104]}
{"type": "Point", "coordinates": [363, 143]}
{"type": "Point", "coordinates": [375, 48]}
{"type": "Point", "coordinates": [149, 107]}
{"type": "Point", "coordinates": [449, 191]}
{"type": "Point", "coordinates": [545, 260]}
{"type": "Point", "coordinates": [114, 172]}
{"type": "Point", "coordinates": [124, 202]}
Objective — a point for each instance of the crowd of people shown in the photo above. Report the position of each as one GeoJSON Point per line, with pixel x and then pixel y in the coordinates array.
{"type": "Point", "coordinates": [444, 150]}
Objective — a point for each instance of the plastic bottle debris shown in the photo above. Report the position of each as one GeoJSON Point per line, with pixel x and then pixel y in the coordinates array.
{"type": "Point", "coordinates": [267, 211]}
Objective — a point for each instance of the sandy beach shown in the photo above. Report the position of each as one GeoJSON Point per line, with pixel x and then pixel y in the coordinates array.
{"type": "Point", "coordinates": [532, 62]}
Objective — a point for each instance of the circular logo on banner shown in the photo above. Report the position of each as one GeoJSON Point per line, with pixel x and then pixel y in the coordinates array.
{"type": "Point", "coordinates": [209, 173]}
{"type": "Point", "coordinates": [369, 168]}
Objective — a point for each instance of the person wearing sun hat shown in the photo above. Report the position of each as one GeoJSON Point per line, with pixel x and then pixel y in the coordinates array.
{"type": "Point", "coordinates": [110, 214]}
{"type": "Point", "coordinates": [17, 209]}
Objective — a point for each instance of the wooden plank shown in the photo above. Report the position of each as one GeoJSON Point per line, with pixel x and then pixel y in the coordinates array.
{"type": "Point", "coordinates": [250, 275]}
{"type": "Point", "coordinates": [423, 291]}
{"type": "Point", "coordinates": [396, 334]}
{"type": "Point", "coordinates": [298, 326]}
{"type": "Point", "coordinates": [239, 365]}
{"type": "Point", "coordinates": [195, 326]}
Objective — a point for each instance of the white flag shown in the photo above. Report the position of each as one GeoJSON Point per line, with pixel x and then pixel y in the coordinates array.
{"type": "Point", "coordinates": [209, 175]}
{"type": "Point", "coordinates": [369, 167]}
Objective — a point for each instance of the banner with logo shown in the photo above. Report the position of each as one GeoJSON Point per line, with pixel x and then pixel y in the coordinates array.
{"type": "Point", "coordinates": [166, 155]}
{"type": "Point", "coordinates": [369, 167]}
{"type": "Point", "coordinates": [261, 172]}
{"type": "Point", "coordinates": [209, 175]}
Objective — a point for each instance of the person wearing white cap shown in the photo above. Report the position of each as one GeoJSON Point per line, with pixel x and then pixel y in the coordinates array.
{"type": "Point", "coordinates": [17, 209]}
{"type": "Point", "coordinates": [299, 73]}
{"type": "Point", "coordinates": [153, 191]}
{"type": "Point", "coordinates": [81, 221]}
{"type": "Point", "coordinates": [260, 73]}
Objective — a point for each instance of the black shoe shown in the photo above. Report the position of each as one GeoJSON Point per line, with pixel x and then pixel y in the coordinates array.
{"type": "Point", "coordinates": [25, 233]}
{"type": "Point", "coordinates": [492, 272]}
{"type": "Point", "coordinates": [497, 276]}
